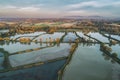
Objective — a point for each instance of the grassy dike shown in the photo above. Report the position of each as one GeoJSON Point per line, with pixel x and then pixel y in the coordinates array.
{"type": "Point", "coordinates": [6, 63]}
{"type": "Point", "coordinates": [31, 65]}
{"type": "Point", "coordinates": [61, 40]}
{"type": "Point", "coordinates": [72, 50]}
{"type": "Point", "coordinates": [109, 37]}
{"type": "Point", "coordinates": [8, 67]}
{"type": "Point", "coordinates": [30, 50]}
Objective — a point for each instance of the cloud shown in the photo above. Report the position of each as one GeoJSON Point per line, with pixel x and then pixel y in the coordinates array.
{"type": "Point", "coordinates": [86, 13]}
{"type": "Point", "coordinates": [9, 7]}
{"type": "Point", "coordinates": [56, 9]}
{"type": "Point", "coordinates": [116, 4]}
{"type": "Point", "coordinates": [94, 4]}
{"type": "Point", "coordinates": [107, 8]}
{"type": "Point", "coordinates": [84, 4]}
{"type": "Point", "coordinates": [28, 9]}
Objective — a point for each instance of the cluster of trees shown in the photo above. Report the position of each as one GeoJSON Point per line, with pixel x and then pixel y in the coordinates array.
{"type": "Point", "coordinates": [109, 28]}
{"type": "Point", "coordinates": [23, 30]}
{"type": "Point", "coordinates": [24, 40]}
{"type": "Point", "coordinates": [51, 30]}
{"type": "Point", "coordinates": [113, 42]}
{"type": "Point", "coordinates": [6, 39]}
{"type": "Point", "coordinates": [105, 48]}
{"type": "Point", "coordinates": [109, 50]}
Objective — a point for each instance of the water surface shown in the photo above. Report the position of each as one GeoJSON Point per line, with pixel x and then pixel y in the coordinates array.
{"type": "Point", "coordinates": [47, 71]}
{"type": "Point", "coordinates": [89, 64]}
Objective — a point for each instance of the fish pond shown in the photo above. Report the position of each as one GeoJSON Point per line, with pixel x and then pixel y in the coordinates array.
{"type": "Point", "coordinates": [60, 56]}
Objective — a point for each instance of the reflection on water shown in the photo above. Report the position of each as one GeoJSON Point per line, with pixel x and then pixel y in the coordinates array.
{"type": "Point", "coordinates": [114, 36]}
{"type": "Point", "coordinates": [116, 49]}
{"type": "Point", "coordinates": [1, 60]}
{"type": "Point", "coordinates": [15, 47]}
{"type": "Point", "coordinates": [70, 37]}
{"type": "Point", "coordinates": [89, 64]}
{"type": "Point", "coordinates": [52, 36]}
{"type": "Point", "coordinates": [99, 37]}
{"type": "Point", "coordinates": [40, 55]}
{"type": "Point", "coordinates": [44, 72]}
{"type": "Point", "coordinates": [30, 35]}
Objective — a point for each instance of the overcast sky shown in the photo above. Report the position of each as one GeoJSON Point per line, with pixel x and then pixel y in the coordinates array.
{"type": "Point", "coordinates": [59, 8]}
